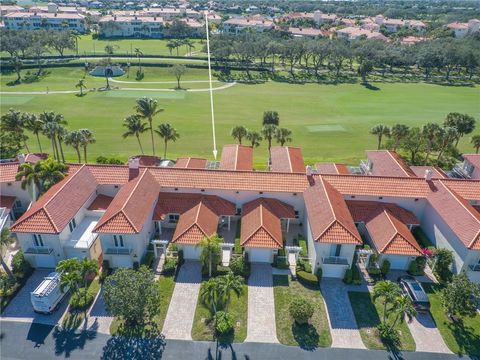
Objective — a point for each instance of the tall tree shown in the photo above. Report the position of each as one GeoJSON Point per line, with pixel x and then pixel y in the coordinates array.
{"type": "Point", "coordinates": [35, 125]}
{"type": "Point", "coordinates": [147, 108]}
{"type": "Point", "coordinates": [268, 132]}
{"type": "Point", "coordinates": [475, 141]}
{"type": "Point", "coordinates": [229, 284]}
{"type": "Point", "coordinates": [379, 131]}
{"type": "Point", "coordinates": [445, 139]}
{"type": "Point", "coordinates": [238, 133]}
{"type": "Point", "coordinates": [414, 143]}
{"type": "Point", "coordinates": [51, 173]}
{"type": "Point", "coordinates": [387, 292]}
{"type": "Point", "coordinates": [271, 117]}
{"type": "Point", "coordinates": [135, 127]}
{"type": "Point", "coordinates": [53, 126]}
{"type": "Point", "coordinates": [211, 294]}
{"type": "Point", "coordinates": [17, 64]}
{"type": "Point", "coordinates": [254, 137]}
{"type": "Point", "coordinates": [210, 255]}
{"type": "Point", "coordinates": [178, 70]}
{"type": "Point", "coordinates": [167, 133]}
{"type": "Point", "coordinates": [138, 53]}
{"type": "Point", "coordinates": [460, 297]}
{"type": "Point", "coordinates": [283, 135]}
{"type": "Point", "coordinates": [74, 139]}
{"type": "Point", "coordinates": [30, 176]}
{"type": "Point", "coordinates": [14, 122]}
{"type": "Point", "coordinates": [398, 132]}
{"type": "Point", "coordinates": [463, 123]}
{"type": "Point", "coordinates": [70, 275]}
{"type": "Point", "coordinates": [5, 240]}
{"type": "Point", "coordinates": [87, 139]}
{"type": "Point", "coordinates": [429, 131]}
{"type": "Point", "coordinates": [81, 85]}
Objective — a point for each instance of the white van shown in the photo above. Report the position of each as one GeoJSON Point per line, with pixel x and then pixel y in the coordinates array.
{"type": "Point", "coordinates": [48, 295]}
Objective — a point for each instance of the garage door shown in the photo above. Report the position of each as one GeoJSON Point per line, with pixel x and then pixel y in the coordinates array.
{"type": "Point", "coordinates": [45, 261]}
{"type": "Point", "coordinates": [333, 271]}
{"type": "Point", "coordinates": [399, 262]}
{"type": "Point", "coordinates": [191, 252]}
{"type": "Point", "coordinates": [260, 255]}
{"type": "Point", "coordinates": [122, 262]}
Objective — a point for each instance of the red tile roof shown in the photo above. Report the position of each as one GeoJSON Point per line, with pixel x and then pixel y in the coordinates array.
{"type": "Point", "coordinates": [473, 159]}
{"type": "Point", "coordinates": [361, 211]}
{"type": "Point", "coordinates": [129, 210]}
{"type": "Point", "coordinates": [391, 236]}
{"type": "Point", "coordinates": [328, 215]}
{"type": "Point", "coordinates": [178, 203]}
{"type": "Point", "coordinates": [8, 171]}
{"type": "Point", "coordinates": [287, 159]}
{"type": "Point", "coordinates": [332, 169]}
{"type": "Point", "coordinates": [261, 225]}
{"type": "Point", "coordinates": [236, 157]}
{"type": "Point", "coordinates": [468, 189]}
{"type": "Point", "coordinates": [192, 163]}
{"type": "Point", "coordinates": [195, 224]}
{"type": "Point", "coordinates": [109, 174]}
{"type": "Point", "coordinates": [54, 210]}
{"type": "Point", "coordinates": [101, 202]}
{"type": "Point", "coordinates": [7, 202]}
{"type": "Point", "coordinates": [147, 160]}
{"type": "Point", "coordinates": [437, 173]}
{"type": "Point", "coordinates": [458, 214]}
{"type": "Point", "coordinates": [388, 163]}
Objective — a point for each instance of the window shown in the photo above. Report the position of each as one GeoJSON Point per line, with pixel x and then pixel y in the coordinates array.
{"type": "Point", "coordinates": [118, 239]}
{"type": "Point", "coordinates": [173, 218]}
{"type": "Point", "coordinates": [37, 239]}
{"type": "Point", "coordinates": [335, 250]}
{"type": "Point", "coordinates": [72, 224]}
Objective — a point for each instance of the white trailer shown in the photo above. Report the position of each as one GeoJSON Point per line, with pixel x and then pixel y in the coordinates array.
{"type": "Point", "coordinates": [48, 294]}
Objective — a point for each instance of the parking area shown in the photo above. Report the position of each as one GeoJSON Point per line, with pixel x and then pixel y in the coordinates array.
{"type": "Point", "coordinates": [20, 308]}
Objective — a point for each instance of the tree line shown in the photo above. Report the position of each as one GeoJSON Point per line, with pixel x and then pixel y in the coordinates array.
{"type": "Point", "coordinates": [421, 142]}
{"type": "Point", "coordinates": [338, 57]}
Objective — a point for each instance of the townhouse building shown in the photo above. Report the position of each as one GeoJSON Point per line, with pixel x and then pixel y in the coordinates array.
{"type": "Point", "coordinates": [113, 212]}
{"type": "Point", "coordinates": [45, 20]}
{"type": "Point", "coordinates": [461, 30]}
{"type": "Point", "coordinates": [257, 23]}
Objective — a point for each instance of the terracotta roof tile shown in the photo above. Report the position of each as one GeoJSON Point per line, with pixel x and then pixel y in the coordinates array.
{"type": "Point", "coordinates": [101, 202]}
{"type": "Point", "coordinates": [110, 174]}
{"type": "Point", "coordinates": [328, 215]}
{"type": "Point", "coordinates": [192, 163]}
{"type": "Point", "coordinates": [332, 169]}
{"type": "Point", "coordinates": [54, 210]}
{"type": "Point", "coordinates": [129, 210]}
{"type": "Point", "coordinates": [8, 171]}
{"type": "Point", "coordinates": [437, 173]}
{"type": "Point", "coordinates": [473, 159]}
{"type": "Point", "coordinates": [195, 224]}
{"type": "Point", "coordinates": [468, 189]}
{"type": "Point", "coordinates": [287, 159]}
{"type": "Point", "coordinates": [388, 163]}
{"type": "Point", "coordinates": [361, 211]}
{"type": "Point", "coordinates": [7, 202]}
{"type": "Point", "coordinates": [236, 157]}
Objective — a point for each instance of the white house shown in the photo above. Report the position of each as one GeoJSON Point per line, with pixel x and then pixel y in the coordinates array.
{"type": "Point", "coordinates": [463, 29]}
{"type": "Point", "coordinates": [238, 24]}
{"type": "Point", "coordinates": [49, 21]}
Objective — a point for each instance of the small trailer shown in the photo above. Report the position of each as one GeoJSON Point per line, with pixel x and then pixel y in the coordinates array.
{"type": "Point", "coordinates": [48, 295]}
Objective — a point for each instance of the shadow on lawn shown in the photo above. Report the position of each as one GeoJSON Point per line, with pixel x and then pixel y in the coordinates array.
{"type": "Point", "coordinates": [467, 341]}
{"type": "Point", "coordinates": [306, 335]}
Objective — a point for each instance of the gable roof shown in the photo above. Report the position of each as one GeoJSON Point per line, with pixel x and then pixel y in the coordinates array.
{"type": "Point", "coordinates": [54, 210]}
{"type": "Point", "coordinates": [388, 163]}
{"type": "Point", "coordinates": [287, 159]}
{"type": "Point", "coordinates": [195, 224]}
{"type": "Point", "coordinates": [236, 157]}
{"type": "Point", "coordinates": [332, 168]}
{"type": "Point", "coordinates": [261, 226]}
{"type": "Point", "coordinates": [361, 211]}
{"type": "Point", "coordinates": [8, 171]}
{"type": "Point", "coordinates": [101, 202]}
{"type": "Point", "coordinates": [192, 163]}
{"type": "Point", "coordinates": [128, 211]}
{"type": "Point", "coordinates": [462, 218]}
{"type": "Point", "coordinates": [328, 215]}
{"type": "Point", "coordinates": [473, 159]}
{"type": "Point", "coordinates": [389, 235]}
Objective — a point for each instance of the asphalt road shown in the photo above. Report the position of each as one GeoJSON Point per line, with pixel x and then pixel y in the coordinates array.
{"type": "Point", "coordinates": [37, 341]}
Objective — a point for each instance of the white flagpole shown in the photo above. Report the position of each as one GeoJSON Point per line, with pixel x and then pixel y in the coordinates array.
{"type": "Point", "coordinates": [211, 90]}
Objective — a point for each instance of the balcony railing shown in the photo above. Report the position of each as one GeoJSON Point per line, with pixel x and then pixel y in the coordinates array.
{"type": "Point", "coordinates": [475, 267]}
{"type": "Point", "coordinates": [39, 250]}
{"type": "Point", "coordinates": [118, 251]}
{"type": "Point", "coordinates": [335, 260]}
{"type": "Point", "coordinates": [460, 172]}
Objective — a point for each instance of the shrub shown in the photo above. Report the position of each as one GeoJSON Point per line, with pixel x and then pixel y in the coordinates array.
{"type": "Point", "coordinates": [348, 278]}
{"type": "Point", "coordinates": [20, 265]}
{"type": "Point", "coordinates": [413, 268]}
{"type": "Point", "coordinates": [388, 335]}
{"type": "Point", "coordinates": [169, 266]}
{"type": "Point", "coordinates": [81, 300]}
{"type": "Point", "coordinates": [443, 262]}
{"type": "Point", "coordinates": [356, 276]}
{"type": "Point", "coordinates": [105, 160]}
{"type": "Point", "coordinates": [281, 252]}
{"type": "Point", "coordinates": [148, 259]}
{"type": "Point", "coordinates": [223, 322]}
{"type": "Point", "coordinates": [237, 248]}
{"type": "Point", "coordinates": [7, 285]}
{"type": "Point", "coordinates": [303, 245]}
{"type": "Point", "coordinates": [307, 278]}
{"type": "Point", "coordinates": [222, 270]}
{"type": "Point", "coordinates": [319, 274]}
{"type": "Point", "coordinates": [281, 263]}
{"type": "Point", "coordinates": [136, 265]}
{"type": "Point", "coordinates": [239, 266]}
{"type": "Point", "coordinates": [385, 268]}
{"type": "Point", "coordinates": [301, 309]}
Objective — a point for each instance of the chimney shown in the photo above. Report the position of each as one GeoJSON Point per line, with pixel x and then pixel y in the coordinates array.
{"type": "Point", "coordinates": [21, 158]}
{"type": "Point", "coordinates": [428, 175]}
{"type": "Point", "coordinates": [308, 170]}
{"type": "Point", "coordinates": [133, 163]}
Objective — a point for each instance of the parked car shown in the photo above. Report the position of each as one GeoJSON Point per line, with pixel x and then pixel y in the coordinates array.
{"type": "Point", "coordinates": [48, 295]}
{"type": "Point", "coordinates": [414, 290]}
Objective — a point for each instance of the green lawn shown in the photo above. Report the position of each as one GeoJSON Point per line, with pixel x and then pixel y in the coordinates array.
{"type": "Point", "coordinates": [329, 122]}
{"type": "Point", "coordinates": [167, 284]}
{"type": "Point", "coordinates": [462, 337]}
{"type": "Point", "coordinates": [202, 325]}
{"type": "Point", "coordinates": [73, 319]}
{"type": "Point", "coordinates": [309, 336]}
{"type": "Point", "coordinates": [368, 314]}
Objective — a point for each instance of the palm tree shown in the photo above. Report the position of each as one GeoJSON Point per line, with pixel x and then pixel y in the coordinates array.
{"type": "Point", "coordinates": [147, 108]}
{"type": "Point", "coordinates": [402, 307]}
{"type": "Point", "coordinates": [271, 117]}
{"type": "Point", "coordinates": [167, 133]}
{"type": "Point", "coordinates": [87, 138]}
{"type": "Point", "coordinates": [138, 53]}
{"type": "Point", "coordinates": [445, 138]}
{"type": "Point", "coordinates": [50, 130]}
{"type": "Point", "coordinates": [380, 130]}
{"type": "Point", "coordinates": [14, 122]}
{"type": "Point", "coordinates": [282, 135]}
{"type": "Point", "coordinates": [397, 133]}
{"type": "Point", "coordinates": [268, 132]}
{"type": "Point", "coordinates": [135, 127]}
{"type": "Point", "coordinates": [388, 292]}
{"type": "Point", "coordinates": [70, 275]}
{"type": "Point", "coordinates": [87, 268]}
{"type": "Point", "coordinates": [52, 172]}
{"type": "Point", "coordinates": [475, 141]}
{"type": "Point", "coordinates": [210, 251]}
{"type": "Point", "coordinates": [228, 284]}
{"type": "Point", "coordinates": [189, 45]}
{"type": "Point", "coordinates": [170, 46]}
{"type": "Point", "coordinates": [254, 137]}
{"type": "Point", "coordinates": [429, 131]}
{"type": "Point", "coordinates": [53, 128]}
{"type": "Point", "coordinates": [211, 294]}
{"type": "Point", "coordinates": [463, 123]}
{"type": "Point", "coordinates": [5, 240]}
{"type": "Point", "coordinates": [30, 175]}
{"type": "Point", "coordinates": [238, 133]}
{"type": "Point", "coordinates": [81, 85]}
{"type": "Point", "coordinates": [35, 125]}
{"type": "Point", "coordinates": [61, 133]}
{"type": "Point", "coordinates": [74, 139]}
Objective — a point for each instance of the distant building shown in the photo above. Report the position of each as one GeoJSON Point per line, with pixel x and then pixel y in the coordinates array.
{"type": "Point", "coordinates": [353, 33]}
{"type": "Point", "coordinates": [258, 23]}
{"type": "Point", "coordinates": [392, 25]}
{"type": "Point", "coordinates": [306, 32]}
{"type": "Point", "coordinates": [7, 9]}
{"type": "Point", "coordinates": [462, 29]}
{"type": "Point", "coordinates": [49, 21]}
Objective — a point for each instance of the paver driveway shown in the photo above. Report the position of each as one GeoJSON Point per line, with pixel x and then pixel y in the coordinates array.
{"type": "Point", "coordinates": [181, 311]}
{"type": "Point", "coordinates": [99, 318]}
{"type": "Point", "coordinates": [343, 326]}
{"type": "Point", "coordinates": [20, 308]}
{"type": "Point", "coordinates": [261, 305]}
{"type": "Point", "coordinates": [426, 334]}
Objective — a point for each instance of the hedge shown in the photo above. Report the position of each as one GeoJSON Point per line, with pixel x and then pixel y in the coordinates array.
{"type": "Point", "coordinates": [307, 277]}
{"type": "Point", "coordinates": [303, 245]}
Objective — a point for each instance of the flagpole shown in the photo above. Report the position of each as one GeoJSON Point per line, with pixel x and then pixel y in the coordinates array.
{"type": "Point", "coordinates": [211, 89]}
